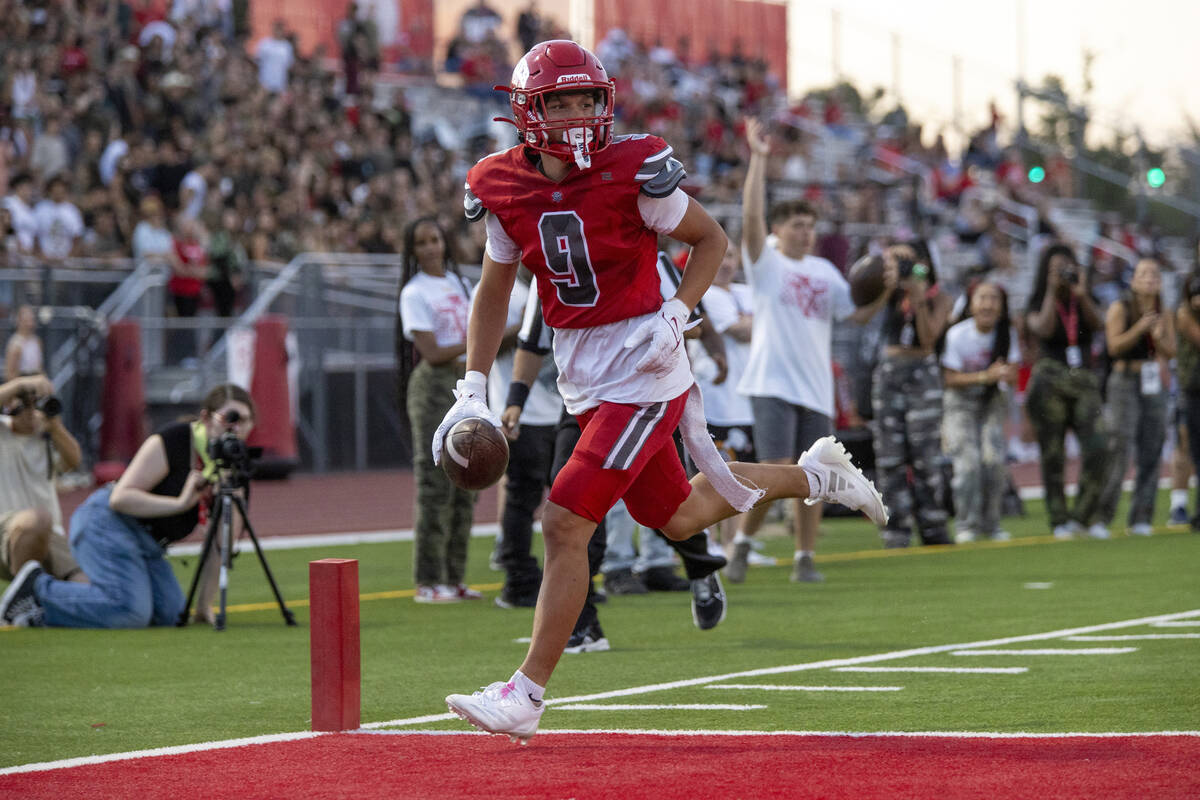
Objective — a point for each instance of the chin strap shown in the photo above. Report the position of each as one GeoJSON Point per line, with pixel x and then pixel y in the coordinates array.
{"type": "Point", "coordinates": [740, 493]}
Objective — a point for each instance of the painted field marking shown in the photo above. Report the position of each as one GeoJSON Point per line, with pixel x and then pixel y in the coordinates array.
{"type": "Point", "coordinates": [1133, 637]}
{"type": "Point", "coordinates": [814, 665]}
{"type": "Point", "coordinates": [1077, 651]}
{"type": "Point", "coordinates": [954, 670]}
{"type": "Point", "coordinates": [788, 688]}
{"type": "Point", "coordinates": [661, 707]}
{"type": "Point", "coordinates": [1176, 623]}
{"type": "Point", "coordinates": [831, 734]}
{"type": "Point", "coordinates": [1040, 585]}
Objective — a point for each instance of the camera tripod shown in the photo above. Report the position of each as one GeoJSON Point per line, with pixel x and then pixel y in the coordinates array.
{"type": "Point", "coordinates": [227, 502]}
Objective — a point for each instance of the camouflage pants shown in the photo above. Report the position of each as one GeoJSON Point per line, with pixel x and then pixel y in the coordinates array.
{"type": "Point", "coordinates": [973, 437]}
{"type": "Point", "coordinates": [1139, 424]}
{"type": "Point", "coordinates": [906, 394]}
{"type": "Point", "coordinates": [444, 512]}
{"type": "Point", "coordinates": [1059, 398]}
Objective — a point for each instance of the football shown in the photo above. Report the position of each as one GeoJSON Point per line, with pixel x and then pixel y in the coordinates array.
{"type": "Point", "coordinates": [866, 280]}
{"type": "Point", "coordinates": [474, 453]}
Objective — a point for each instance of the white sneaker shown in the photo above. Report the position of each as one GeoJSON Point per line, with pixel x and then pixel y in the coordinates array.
{"type": "Point", "coordinates": [757, 559]}
{"type": "Point", "coordinates": [1000, 536]}
{"type": "Point", "coordinates": [436, 594]}
{"type": "Point", "coordinates": [841, 481]}
{"type": "Point", "coordinates": [1099, 531]}
{"type": "Point", "coordinates": [964, 536]}
{"type": "Point", "coordinates": [1140, 529]}
{"type": "Point", "coordinates": [499, 708]}
{"type": "Point", "coordinates": [1064, 532]}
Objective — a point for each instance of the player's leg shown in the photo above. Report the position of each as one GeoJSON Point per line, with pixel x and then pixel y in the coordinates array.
{"type": "Point", "coordinates": [775, 432]}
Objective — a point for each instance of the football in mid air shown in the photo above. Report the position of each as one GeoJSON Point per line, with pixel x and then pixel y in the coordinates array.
{"type": "Point", "coordinates": [866, 280]}
{"type": "Point", "coordinates": [474, 453]}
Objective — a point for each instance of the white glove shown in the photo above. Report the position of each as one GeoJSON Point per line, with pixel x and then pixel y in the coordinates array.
{"type": "Point", "coordinates": [471, 392]}
{"type": "Point", "coordinates": [664, 333]}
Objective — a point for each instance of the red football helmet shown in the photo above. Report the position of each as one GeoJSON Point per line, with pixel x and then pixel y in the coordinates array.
{"type": "Point", "coordinates": [555, 66]}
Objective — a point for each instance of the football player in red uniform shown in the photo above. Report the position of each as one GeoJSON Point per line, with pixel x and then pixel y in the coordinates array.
{"type": "Point", "coordinates": [582, 208]}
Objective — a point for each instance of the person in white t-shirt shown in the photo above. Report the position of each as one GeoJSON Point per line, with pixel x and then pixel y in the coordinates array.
{"type": "Point", "coordinates": [979, 367]}
{"type": "Point", "coordinates": [789, 373]}
{"type": "Point", "coordinates": [275, 59]}
{"type": "Point", "coordinates": [19, 204]}
{"type": "Point", "coordinates": [59, 223]}
{"type": "Point", "coordinates": [433, 310]}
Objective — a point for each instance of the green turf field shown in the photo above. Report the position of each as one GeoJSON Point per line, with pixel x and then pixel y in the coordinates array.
{"type": "Point", "coordinates": [73, 693]}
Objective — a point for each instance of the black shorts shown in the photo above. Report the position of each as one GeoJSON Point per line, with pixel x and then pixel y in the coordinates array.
{"type": "Point", "coordinates": [742, 436]}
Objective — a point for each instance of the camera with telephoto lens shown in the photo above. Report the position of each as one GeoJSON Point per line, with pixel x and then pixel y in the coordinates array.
{"type": "Point", "coordinates": [1069, 275]}
{"type": "Point", "coordinates": [228, 451]}
{"type": "Point", "coordinates": [49, 405]}
{"type": "Point", "coordinates": [908, 267]}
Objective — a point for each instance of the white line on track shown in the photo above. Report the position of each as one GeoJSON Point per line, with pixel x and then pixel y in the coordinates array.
{"type": "Point", "coordinates": [826, 664]}
{"type": "Point", "coordinates": [788, 688]}
{"type": "Point", "coordinates": [832, 734]}
{"type": "Point", "coordinates": [1176, 623]}
{"type": "Point", "coordinates": [1133, 637]}
{"type": "Point", "coordinates": [955, 670]}
{"type": "Point", "coordinates": [1076, 651]}
{"type": "Point", "coordinates": [661, 707]}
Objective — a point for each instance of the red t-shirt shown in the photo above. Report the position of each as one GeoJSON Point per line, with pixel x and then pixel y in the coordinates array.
{"type": "Point", "coordinates": [583, 238]}
{"type": "Point", "coordinates": [192, 254]}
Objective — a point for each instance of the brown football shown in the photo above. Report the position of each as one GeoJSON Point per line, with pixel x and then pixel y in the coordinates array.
{"type": "Point", "coordinates": [866, 280]}
{"type": "Point", "coordinates": [474, 453]}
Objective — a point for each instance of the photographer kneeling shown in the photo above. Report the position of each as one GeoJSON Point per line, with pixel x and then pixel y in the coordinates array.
{"type": "Point", "coordinates": [34, 448]}
{"type": "Point", "coordinates": [120, 533]}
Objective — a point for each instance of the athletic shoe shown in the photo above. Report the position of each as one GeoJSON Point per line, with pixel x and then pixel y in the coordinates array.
{"type": "Point", "coordinates": [664, 579]}
{"type": "Point", "coordinates": [623, 581]}
{"type": "Point", "coordinates": [1141, 529]}
{"type": "Point", "coordinates": [501, 709]}
{"type": "Point", "coordinates": [708, 602]}
{"type": "Point", "coordinates": [804, 572]}
{"type": "Point", "coordinates": [964, 536]}
{"type": "Point", "coordinates": [510, 600]}
{"type": "Point", "coordinates": [465, 592]}
{"type": "Point", "coordinates": [755, 557]}
{"type": "Point", "coordinates": [715, 549]}
{"type": "Point", "coordinates": [1099, 531]}
{"type": "Point", "coordinates": [436, 594]}
{"type": "Point", "coordinates": [1064, 532]}
{"type": "Point", "coordinates": [19, 606]}
{"type": "Point", "coordinates": [495, 563]}
{"type": "Point", "coordinates": [896, 539]}
{"type": "Point", "coordinates": [1178, 516]}
{"type": "Point", "coordinates": [587, 640]}
{"type": "Point", "coordinates": [839, 481]}
{"type": "Point", "coordinates": [739, 562]}
{"type": "Point", "coordinates": [1000, 535]}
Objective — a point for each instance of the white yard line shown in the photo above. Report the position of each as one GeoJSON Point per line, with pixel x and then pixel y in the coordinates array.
{"type": "Point", "coordinates": [826, 664]}
{"type": "Point", "coordinates": [661, 707]}
{"type": "Point", "coordinates": [1176, 623]}
{"type": "Point", "coordinates": [1133, 637]}
{"type": "Point", "coordinates": [954, 670]}
{"type": "Point", "coordinates": [789, 688]}
{"type": "Point", "coordinates": [1076, 651]}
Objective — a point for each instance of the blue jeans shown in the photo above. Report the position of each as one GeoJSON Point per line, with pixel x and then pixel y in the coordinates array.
{"type": "Point", "coordinates": [132, 585]}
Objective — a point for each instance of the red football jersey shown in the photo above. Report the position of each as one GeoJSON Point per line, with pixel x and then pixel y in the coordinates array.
{"type": "Point", "coordinates": [583, 238]}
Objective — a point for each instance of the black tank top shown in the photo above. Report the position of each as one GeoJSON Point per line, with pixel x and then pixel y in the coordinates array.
{"type": "Point", "coordinates": [1144, 349]}
{"type": "Point", "coordinates": [177, 440]}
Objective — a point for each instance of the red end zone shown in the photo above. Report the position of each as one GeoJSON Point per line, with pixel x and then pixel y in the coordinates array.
{"type": "Point", "coordinates": [651, 766]}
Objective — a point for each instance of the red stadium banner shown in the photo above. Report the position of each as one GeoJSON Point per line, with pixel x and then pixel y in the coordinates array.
{"type": "Point", "coordinates": [755, 29]}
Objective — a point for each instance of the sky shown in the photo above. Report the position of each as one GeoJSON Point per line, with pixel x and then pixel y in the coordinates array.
{"type": "Point", "coordinates": [1146, 70]}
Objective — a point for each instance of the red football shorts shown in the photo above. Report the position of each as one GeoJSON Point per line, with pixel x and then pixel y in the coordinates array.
{"type": "Point", "coordinates": [626, 451]}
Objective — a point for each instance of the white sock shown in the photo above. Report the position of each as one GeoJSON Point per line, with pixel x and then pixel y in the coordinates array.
{"type": "Point", "coordinates": [527, 686]}
{"type": "Point", "coordinates": [740, 536]}
{"type": "Point", "coordinates": [799, 554]}
{"type": "Point", "coordinates": [816, 483]}
{"type": "Point", "coordinates": [1179, 498]}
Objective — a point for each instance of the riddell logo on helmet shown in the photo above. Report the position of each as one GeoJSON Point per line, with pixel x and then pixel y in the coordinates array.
{"type": "Point", "coordinates": [574, 77]}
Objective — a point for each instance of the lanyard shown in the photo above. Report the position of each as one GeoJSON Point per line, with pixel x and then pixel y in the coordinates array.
{"type": "Point", "coordinates": [1070, 321]}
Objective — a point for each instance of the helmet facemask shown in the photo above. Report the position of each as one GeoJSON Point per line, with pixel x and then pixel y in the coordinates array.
{"type": "Point", "coordinates": [570, 138]}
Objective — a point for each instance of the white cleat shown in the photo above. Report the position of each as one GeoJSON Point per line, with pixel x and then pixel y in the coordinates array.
{"type": "Point", "coordinates": [499, 708]}
{"type": "Point", "coordinates": [841, 481]}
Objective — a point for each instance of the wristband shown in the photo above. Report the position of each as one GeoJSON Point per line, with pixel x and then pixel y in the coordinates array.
{"type": "Point", "coordinates": [518, 393]}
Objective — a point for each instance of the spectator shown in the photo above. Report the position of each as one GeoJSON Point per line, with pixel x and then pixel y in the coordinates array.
{"type": "Point", "coordinates": [227, 263]}
{"type": "Point", "coordinates": [276, 56]}
{"type": "Point", "coordinates": [120, 533]}
{"type": "Point", "coordinates": [433, 305]}
{"type": "Point", "coordinates": [979, 367]}
{"type": "Point", "coordinates": [23, 352]}
{"type": "Point", "coordinates": [189, 270]}
{"type": "Point", "coordinates": [35, 447]}
{"type": "Point", "coordinates": [529, 26]}
{"type": "Point", "coordinates": [19, 203]}
{"type": "Point", "coordinates": [193, 189]}
{"type": "Point", "coordinates": [479, 22]}
{"type": "Point", "coordinates": [51, 155]}
{"type": "Point", "coordinates": [1187, 320]}
{"type": "Point", "coordinates": [1139, 335]}
{"type": "Point", "coordinates": [60, 225]}
{"type": "Point", "coordinates": [151, 236]}
{"type": "Point", "coordinates": [1064, 391]}
{"type": "Point", "coordinates": [103, 238]}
